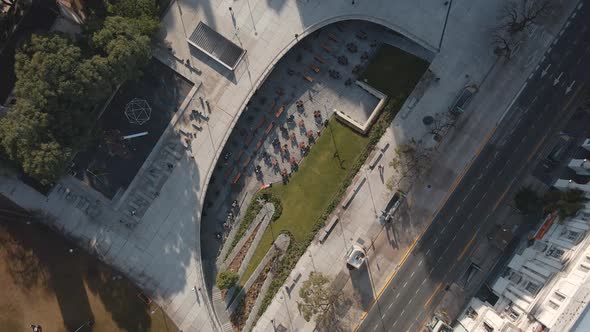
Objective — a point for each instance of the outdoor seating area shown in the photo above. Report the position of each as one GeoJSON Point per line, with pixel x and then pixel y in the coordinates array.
{"type": "Point", "coordinates": [286, 115]}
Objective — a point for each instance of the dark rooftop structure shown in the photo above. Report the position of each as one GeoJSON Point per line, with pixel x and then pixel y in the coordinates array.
{"type": "Point", "coordinates": [216, 46]}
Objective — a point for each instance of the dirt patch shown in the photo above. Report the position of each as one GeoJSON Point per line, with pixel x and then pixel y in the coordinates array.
{"type": "Point", "coordinates": [237, 262]}
{"type": "Point", "coordinates": [45, 283]}
{"type": "Point", "coordinates": [240, 315]}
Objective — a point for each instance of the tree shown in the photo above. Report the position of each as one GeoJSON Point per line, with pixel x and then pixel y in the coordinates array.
{"type": "Point", "coordinates": [226, 279]}
{"type": "Point", "coordinates": [49, 80]}
{"type": "Point", "coordinates": [410, 162]}
{"type": "Point", "coordinates": [133, 8]}
{"type": "Point", "coordinates": [519, 14]}
{"type": "Point", "coordinates": [565, 203]}
{"type": "Point", "coordinates": [441, 123]}
{"type": "Point", "coordinates": [504, 43]}
{"type": "Point", "coordinates": [319, 298]}
{"type": "Point", "coordinates": [527, 201]}
{"type": "Point", "coordinates": [126, 46]}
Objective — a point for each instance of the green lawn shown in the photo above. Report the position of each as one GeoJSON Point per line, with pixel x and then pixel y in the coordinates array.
{"type": "Point", "coordinates": [393, 71]}
{"type": "Point", "coordinates": [312, 188]}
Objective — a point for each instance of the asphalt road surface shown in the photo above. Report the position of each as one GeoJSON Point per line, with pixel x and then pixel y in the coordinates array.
{"type": "Point", "coordinates": [543, 107]}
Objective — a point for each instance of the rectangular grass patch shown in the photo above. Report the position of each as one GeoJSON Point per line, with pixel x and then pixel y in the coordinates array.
{"type": "Point", "coordinates": [312, 188]}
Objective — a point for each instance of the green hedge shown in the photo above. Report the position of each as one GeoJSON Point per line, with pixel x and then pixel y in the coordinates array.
{"type": "Point", "coordinates": [251, 213]}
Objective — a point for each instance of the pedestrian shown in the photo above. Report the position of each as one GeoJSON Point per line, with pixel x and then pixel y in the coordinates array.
{"type": "Point", "coordinates": [36, 328]}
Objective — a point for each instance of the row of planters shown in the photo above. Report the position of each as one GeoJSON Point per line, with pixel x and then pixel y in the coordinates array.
{"type": "Point", "coordinates": [265, 208]}
{"type": "Point", "coordinates": [247, 308]}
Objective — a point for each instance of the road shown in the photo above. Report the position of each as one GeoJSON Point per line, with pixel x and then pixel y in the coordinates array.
{"type": "Point", "coordinates": [543, 107]}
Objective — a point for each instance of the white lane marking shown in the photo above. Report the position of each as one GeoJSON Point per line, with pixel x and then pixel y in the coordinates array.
{"type": "Point", "coordinates": [443, 229]}
{"type": "Point", "coordinates": [470, 215]}
{"type": "Point", "coordinates": [394, 323]}
{"type": "Point", "coordinates": [405, 284]}
{"type": "Point", "coordinates": [396, 296]}
{"type": "Point", "coordinates": [423, 281]}
{"type": "Point", "coordinates": [427, 251]}
{"type": "Point", "coordinates": [376, 327]}
{"type": "Point", "coordinates": [412, 275]}
{"type": "Point", "coordinates": [464, 198]}
{"type": "Point", "coordinates": [451, 219]}
{"type": "Point", "coordinates": [454, 237]}
{"type": "Point", "coordinates": [401, 313]}
{"type": "Point", "coordinates": [532, 101]}
{"type": "Point", "coordinates": [412, 299]}
{"type": "Point", "coordinates": [445, 251]}
{"type": "Point", "coordinates": [417, 290]}
{"type": "Point", "coordinates": [420, 263]}
{"type": "Point", "coordinates": [390, 305]}
{"type": "Point", "coordinates": [435, 241]}
{"type": "Point", "coordinates": [484, 195]}
{"type": "Point", "coordinates": [462, 225]}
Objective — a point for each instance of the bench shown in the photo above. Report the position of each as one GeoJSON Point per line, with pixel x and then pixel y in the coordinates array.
{"type": "Point", "coordinates": [315, 68]}
{"type": "Point", "coordinates": [328, 228]}
{"type": "Point", "coordinates": [350, 195]}
{"type": "Point", "coordinates": [261, 122]}
{"type": "Point", "coordinates": [332, 37]}
{"type": "Point", "coordinates": [239, 156]}
{"type": "Point", "coordinates": [229, 172]}
{"type": "Point", "coordinates": [249, 140]}
{"type": "Point", "coordinates": [326, 48]}
{"type": "Point", "coordinates": [319, 59]}
{"type": "Point", "coordinates": [247, 161]}
{"type": "Point", "coordinates": [237, 178]}
{"type": "Point", "coordinates": [375, 159]}
{"type": "Point", "coordinates": [280, 111]}
{"type": "Point", "coordinates": [269, 128]}
{"type": "Point", "coordinates": [308, 78]}
{"type": "Point", "coordinates": [292, 281]}
{"type": "Point", "coordinates": [259, 144]}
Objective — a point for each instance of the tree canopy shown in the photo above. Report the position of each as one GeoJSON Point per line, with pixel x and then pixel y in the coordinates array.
{"type": "Point", "coordinates": [59, 87]}
{"type": "Point", "coordinates": [319, 298]}
{"type": "Point", "coordinates": [565, 203]}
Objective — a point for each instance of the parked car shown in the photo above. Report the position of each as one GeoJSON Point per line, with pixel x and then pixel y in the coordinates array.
{"type": "Point", "coordinates": [463, 100]}
{"type": "Point", "coordinates": [392, 205]}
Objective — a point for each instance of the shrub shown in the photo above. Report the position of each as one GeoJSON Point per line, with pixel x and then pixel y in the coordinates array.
{"type": "Point", "coordinates": [226, 279]}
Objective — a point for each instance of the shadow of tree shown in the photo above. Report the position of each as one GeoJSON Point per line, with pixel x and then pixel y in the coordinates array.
{"type": "Point", "coordinates": [38, 257]}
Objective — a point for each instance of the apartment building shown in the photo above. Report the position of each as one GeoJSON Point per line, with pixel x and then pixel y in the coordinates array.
{"type": "Point", "coordinates": [545, 286]}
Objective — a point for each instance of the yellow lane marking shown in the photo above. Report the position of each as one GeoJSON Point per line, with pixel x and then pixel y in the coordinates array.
{"type": "Point", "coordinates": [433, 294]}
{"type": "Point", "coordinates": [466, 247]}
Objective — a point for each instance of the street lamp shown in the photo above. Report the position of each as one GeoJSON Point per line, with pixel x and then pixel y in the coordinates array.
{"type": "Point", "coordinates": [371, 192]}
{"type": "Point", "coordinates": [373, 287]}
{"type": "Point", "coordinates": [312, 262]}
{"type": "Point", "coordinates": [284, 298]}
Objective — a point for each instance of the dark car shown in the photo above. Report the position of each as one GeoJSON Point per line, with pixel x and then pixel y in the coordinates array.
{"type": "Point", "coordinates": [463, 100]}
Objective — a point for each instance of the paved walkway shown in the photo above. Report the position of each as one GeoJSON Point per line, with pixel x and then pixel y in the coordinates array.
{"type": "Point", "coordinates": [162, 253]}
{"type": "Point", "coordinates": [465, 59]}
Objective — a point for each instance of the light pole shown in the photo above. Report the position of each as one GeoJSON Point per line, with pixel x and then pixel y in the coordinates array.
{"type": "Point", "coordinates": [371, 192]}
{"type": "Point", "coordinates": [312, 262]}
{"type": "Point", "coordinates": [373, 287]}
{"type": "Point", "coordinates": [284, 298]}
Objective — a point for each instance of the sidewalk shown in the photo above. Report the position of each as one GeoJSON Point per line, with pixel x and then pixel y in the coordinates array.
{"type": "Point", "coordinates": [466, 58]}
